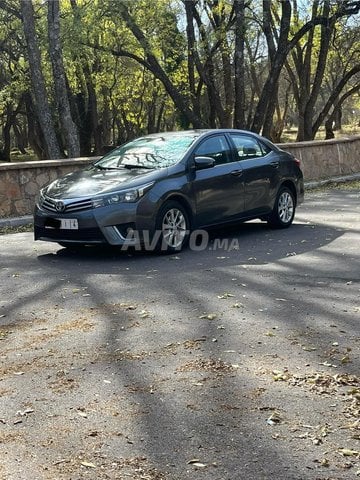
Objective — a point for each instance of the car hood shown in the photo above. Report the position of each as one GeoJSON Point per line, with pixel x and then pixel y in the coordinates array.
{"type": "Point", "coordinates": [94, 181]}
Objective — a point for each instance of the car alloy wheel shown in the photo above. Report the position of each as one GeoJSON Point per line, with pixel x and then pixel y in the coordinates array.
{"type": "Point", "coordinates": [284, 209]}
{"type": "Point", "coordinates": [174, 224]}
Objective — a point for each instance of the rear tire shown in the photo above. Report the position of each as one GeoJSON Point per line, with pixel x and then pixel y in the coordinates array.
{"type": "Point", "coordinates": [283, 212]}
{"type": "Point", "coordinates": [173, 223]}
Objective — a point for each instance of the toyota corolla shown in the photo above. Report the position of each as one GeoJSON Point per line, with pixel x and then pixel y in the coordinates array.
{"type": "Point", "coordinates": [157, 189]}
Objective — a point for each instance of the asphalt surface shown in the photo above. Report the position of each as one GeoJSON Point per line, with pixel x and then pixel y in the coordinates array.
{"type": "Point", "coordinates": [221, 364]}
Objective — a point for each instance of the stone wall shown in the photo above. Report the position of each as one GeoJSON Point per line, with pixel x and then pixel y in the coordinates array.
{"type": "Point", "coordinates": [20, 182]}
{"type": "Point", "coordinates": [323, 159]}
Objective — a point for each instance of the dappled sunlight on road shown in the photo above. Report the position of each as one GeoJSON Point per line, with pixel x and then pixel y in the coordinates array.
{"type": "Point", "coordinates": [203, 363]}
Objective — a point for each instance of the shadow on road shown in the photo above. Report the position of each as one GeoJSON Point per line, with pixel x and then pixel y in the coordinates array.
{"type": "Point", "coordinates": [247, 244]}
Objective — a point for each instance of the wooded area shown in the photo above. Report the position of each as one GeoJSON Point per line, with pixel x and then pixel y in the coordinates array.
{"type": "Point", "coordinates": [78, 76]}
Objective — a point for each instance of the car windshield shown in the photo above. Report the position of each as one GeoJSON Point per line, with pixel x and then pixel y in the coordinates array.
{"type": "Point", "coordinates": [148, 152]}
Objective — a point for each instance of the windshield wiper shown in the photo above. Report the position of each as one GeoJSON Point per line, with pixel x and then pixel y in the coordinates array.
{"type": "Point", "coordinates": [131, 166]}
{"type": "Point", "coordinates": [100, 167]}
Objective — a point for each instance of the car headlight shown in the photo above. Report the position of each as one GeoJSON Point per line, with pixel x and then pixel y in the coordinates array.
{"type": "Point", "coordinates": [124, 196]}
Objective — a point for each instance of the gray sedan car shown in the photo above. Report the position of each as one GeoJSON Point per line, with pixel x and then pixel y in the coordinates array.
{"type": "Point", "coordinates": [154, 191]}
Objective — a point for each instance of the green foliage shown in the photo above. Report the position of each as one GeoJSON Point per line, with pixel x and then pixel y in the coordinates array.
{"type": "Point", "coordinates": [114, 91]}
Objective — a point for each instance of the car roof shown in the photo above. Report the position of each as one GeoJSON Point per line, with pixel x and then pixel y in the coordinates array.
{"type": "Point", "coordinates": [203, 131]}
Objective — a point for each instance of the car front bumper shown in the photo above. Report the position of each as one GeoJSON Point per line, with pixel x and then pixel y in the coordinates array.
{"type": "Point", "coordinates": [106, 225]}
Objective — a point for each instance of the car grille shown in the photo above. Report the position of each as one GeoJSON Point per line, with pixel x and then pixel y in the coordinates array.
{"type": "Point", "coordinates": [49, 204]}
{"type": "Point", "coordinates": [83, 235]}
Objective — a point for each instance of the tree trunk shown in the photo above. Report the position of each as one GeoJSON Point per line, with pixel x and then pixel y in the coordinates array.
{"type": "Point", "coordinates": [239, 63]}
{"type": "Point", "coordinates": [329, 131]}
{"type": "Point", "coordinates": [338, 118]}
{"type": "Point", "coordinates": [92, 111]}
{"type": "Point", "coordinates": [326, 34]}
{"type": "Point", "coordinates": [68, 126]}
{"type": "Point", "coordinates": [37, 81]}
{"type": "Point", "coordinates": [21, 139]}
{"type": "Point", "coordinates": [154, 66]}
{"type": "Point", "coordinates": [35, 134]}
{"type": "Point", "coordinates": [267, 101]}
{"type": "Point", "coordinates": [84, 124]}
{"type": "Point", "coordinates": [5, 154]}
{"type": "Point", "coordinates": [190, 35]}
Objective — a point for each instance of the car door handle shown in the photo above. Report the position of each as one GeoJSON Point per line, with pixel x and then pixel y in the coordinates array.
{"type": "Point", "coordinates": [237, 173]}
{"type": "Point", "coordinates": [275, 164]}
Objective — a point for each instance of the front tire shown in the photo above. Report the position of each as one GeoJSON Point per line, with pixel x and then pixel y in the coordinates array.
{"type": "Point", "coordinates": [283, 212]}
{"type": "Point", "coordinates": [173, 223]}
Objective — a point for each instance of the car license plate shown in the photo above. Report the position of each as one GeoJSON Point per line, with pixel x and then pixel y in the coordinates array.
{"type": "Point", "coordinates": [69, 224]}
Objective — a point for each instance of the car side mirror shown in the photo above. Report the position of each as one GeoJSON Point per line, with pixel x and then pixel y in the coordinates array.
{"type": "Point", "coordinates": [203, 162]}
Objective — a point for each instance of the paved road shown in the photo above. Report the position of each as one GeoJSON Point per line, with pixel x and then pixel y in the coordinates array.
{"type": "Point", "coordinates": [220, 364]}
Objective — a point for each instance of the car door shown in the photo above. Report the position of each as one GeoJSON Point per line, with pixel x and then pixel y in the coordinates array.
{"type": "Point", "coordinates": [218, 190]}
{"type": "Point", "coordinates": [260, 166]}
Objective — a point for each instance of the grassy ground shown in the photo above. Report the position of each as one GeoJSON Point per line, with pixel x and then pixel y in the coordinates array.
{"type": "Point", "coordinates": [289, 136]}
{"type": "Point", "coordinates": [19, 229]}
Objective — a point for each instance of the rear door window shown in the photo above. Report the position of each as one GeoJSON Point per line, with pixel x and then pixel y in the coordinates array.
{"type": "Point", "coordinates": [248, 147]}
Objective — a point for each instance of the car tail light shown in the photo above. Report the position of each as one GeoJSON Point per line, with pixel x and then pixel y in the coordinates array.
{"type": "Point", "coordinates": [297, 161]}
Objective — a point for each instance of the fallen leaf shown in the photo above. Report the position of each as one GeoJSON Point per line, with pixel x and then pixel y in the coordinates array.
{"type": "Point", "coordinates": [196, 462]}
{"type": "Point", "coordinates": [226, 295]}
{"type": "Point", "coordinates": [88, 464]}
{"type": "Point", "coordinates": [22, 413]}
{"type": "Point", "coordinates": [327, 364]}
{"type": "Point", "coordinates": [347, 452]}
{"type": "Point", "coordinates": [209, 316]}
{"type": "Point", "coordinates": [63, 460]}
{"type": "Point", "coordinates": [128, 306]}
{"type": "Point", "coordinates": [280, 376]}
{"type": "Point", "coordinates": [309, 349]}
{"type": "Point", "coordinates": [273, 419]}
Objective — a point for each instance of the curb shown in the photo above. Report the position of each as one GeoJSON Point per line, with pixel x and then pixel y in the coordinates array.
{"type": "Point", "coordinates": [16, 221]}
{"type": "Point", "coordinates": [329, 181]}
{"type": "Point", "coordinates": [28, 219]}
